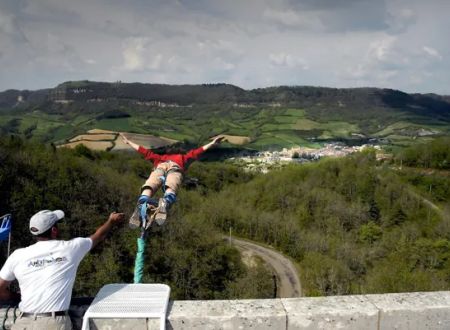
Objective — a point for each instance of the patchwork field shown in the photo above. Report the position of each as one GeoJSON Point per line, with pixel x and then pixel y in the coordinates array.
{"type": "Point", "coordinates": [333, 128]}
{"type": "Point", "coordinates": [94, 137]}
{"type": "Point", "coordinates": [258, 128]}
{"type": "Point", "coordinates": [99, 139]}
{"type": "Point", "coordinates": [407, 128]}
{"type": "Point", "coordinates": [94, 145]}
{"type": "Point", "coordinates": [145, 140]}
{"type": "Point", "coordinates": [236, 139]}
{"type": "Point", "coordinates": [100, 131]}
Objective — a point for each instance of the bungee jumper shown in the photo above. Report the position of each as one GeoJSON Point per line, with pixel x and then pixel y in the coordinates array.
{"type": "Point", "coordinates": [167, 173]}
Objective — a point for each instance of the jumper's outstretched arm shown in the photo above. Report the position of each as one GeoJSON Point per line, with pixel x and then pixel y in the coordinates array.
{"type": "Point", "coordinates": [213, 143]}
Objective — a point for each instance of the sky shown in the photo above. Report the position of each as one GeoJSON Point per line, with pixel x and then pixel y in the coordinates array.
{"type": "Point", "coordinates": [399, 44]}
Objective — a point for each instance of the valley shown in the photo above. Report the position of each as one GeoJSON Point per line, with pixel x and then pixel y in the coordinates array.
{"type": "Point", "coordinates": [268, 119]}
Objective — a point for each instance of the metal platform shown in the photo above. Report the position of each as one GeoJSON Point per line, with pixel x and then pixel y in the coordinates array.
{"type": "Point", "coordinates": [130, 301]}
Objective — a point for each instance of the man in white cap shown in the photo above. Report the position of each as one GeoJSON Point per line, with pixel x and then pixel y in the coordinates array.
{"type": "Point", "coordinates": [46, 271]}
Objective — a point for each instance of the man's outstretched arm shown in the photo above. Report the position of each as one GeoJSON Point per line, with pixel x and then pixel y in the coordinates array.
{"type": "Point", "coordinates": [103, 230]}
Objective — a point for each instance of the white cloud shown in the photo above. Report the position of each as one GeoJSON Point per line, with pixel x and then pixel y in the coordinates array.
{"type": "Point", "coordinates": [287, 60]}
{"type": "Point", "coordinates": [224, 65]}
{"type": "Point", "coordinates": [380, 65]}
{"type": "Point", "coordinates": [155, 62]}
{"type": "Point", "coordinates": [14, 44]}
{"type": "Point", "coordinates": [382, 49]}
{"type": "Point", "coordinates": [137, 55]}
{"type": "Point", "coordinates": [133, 54]}
{"type": "Point", "coordinates": [7, 25]}
{"type": "Point", "coordinates": [219, 47]}
{"type": "Point", "coordinates": [291, 18]}
{"type": "Point", "coordinates": [407, 13]}
{"type": "Point", "coordinates": [55, 45]}
{"type": "Point", "coordinates": [178, 64]}
{"type": "Point", "coordinates": [400, 18]}
{"type": "Point", "coordinates": [432, 52]}
{"type": "Point", "coordinates": [53, 53]}
{"type": "Point", "coordinates": [385, 54]}
{"type": "Point", "coordinates": [10, 28]}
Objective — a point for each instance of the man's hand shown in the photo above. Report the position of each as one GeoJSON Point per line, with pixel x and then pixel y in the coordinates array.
{"type": "Point", "coordinates": [116, 218]}
{"type": "Point", "coordinates": [103, 230]}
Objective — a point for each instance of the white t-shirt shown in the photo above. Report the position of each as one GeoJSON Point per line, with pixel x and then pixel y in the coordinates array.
{"type": "Point", "coordinates": [46, 272]}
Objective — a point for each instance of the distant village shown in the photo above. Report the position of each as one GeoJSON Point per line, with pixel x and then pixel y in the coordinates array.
{"type": "Point", "coordinates": [265, 160]}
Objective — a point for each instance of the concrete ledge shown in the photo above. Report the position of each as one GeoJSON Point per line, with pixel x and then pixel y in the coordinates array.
{"type": "Point", "coordinates": [338, 312]}
{"type": "Point", "coordinates": [416, 310]}
{"type": "Point", "coordinates": [227, 314]}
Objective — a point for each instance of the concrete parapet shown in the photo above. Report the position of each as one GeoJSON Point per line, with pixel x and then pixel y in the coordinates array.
{"type": "Point", "coordinates": [337, 312]}
{"type": "Point", "coordinates": [416, 310]}
{"type": "Point", "coordinates": [227, 314]}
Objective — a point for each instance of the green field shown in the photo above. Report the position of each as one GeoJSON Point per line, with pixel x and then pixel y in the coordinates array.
{"type": "Point", "coordinates": [120, 124]}
{"type": "Point", "coordinates": [403, 126]}
{"type": "Point", "coordinates": [63, 132]}
{"type": "Point", "coordinates": [268, 142]}
{"type": "Point", "coordinates": [285, 119]}
{"type": "Point", "coordinates": [239, 131]}
{"type": "Point", "coordinates": [273, 128]}
{"type": "Point", "coordinates": [295, 112]}
{"type": "Point", "coordinates": [306, 124]}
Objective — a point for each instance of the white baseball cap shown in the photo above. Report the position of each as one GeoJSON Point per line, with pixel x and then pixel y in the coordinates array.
{"type": "Point", "coordinates": [44, 220]}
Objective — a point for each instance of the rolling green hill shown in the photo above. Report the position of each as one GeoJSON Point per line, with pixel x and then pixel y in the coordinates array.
{"type": "Point", "coordinates": [272, 118]}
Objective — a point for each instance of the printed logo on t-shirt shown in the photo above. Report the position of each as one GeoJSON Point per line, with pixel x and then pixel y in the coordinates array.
{"type": "Point", "coordinates": [46, 261]}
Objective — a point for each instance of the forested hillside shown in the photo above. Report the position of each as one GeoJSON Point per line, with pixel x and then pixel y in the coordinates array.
{"type": "Point", "coordinates": [353, 225]}
{"type": "Point", "coordinates": [187, 253]}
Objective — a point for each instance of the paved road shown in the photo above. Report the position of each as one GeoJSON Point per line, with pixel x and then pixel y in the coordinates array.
{"type": "Point", "coordinates": [288, 282]}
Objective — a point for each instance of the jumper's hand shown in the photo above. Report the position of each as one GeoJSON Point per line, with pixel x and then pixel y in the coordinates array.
{"type": "Point", "coordinates": [218, 139]}
{"type": "Point", "coordinates": [125, 140]}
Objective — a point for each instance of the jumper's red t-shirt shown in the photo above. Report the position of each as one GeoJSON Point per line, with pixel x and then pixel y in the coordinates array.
{"type": "Point", "coordinates": [180, 159]}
